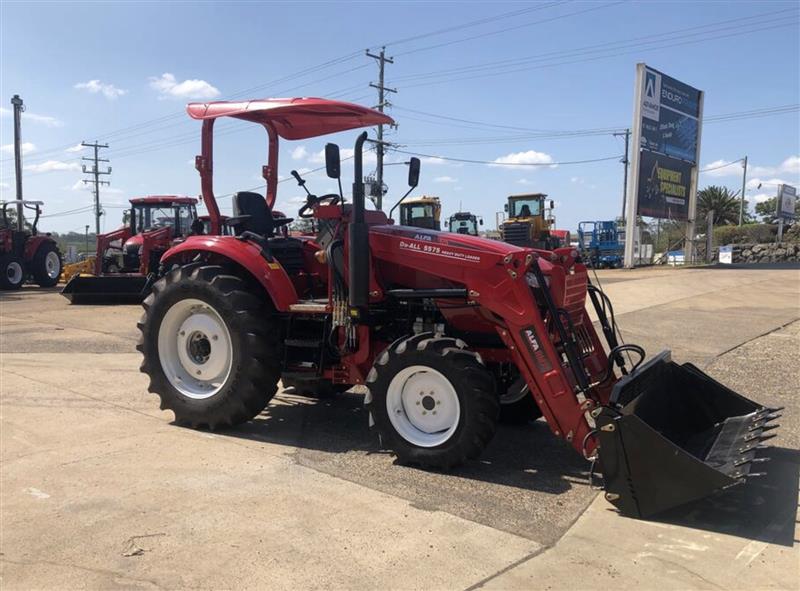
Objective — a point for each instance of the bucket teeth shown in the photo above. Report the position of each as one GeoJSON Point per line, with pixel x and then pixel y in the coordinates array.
{"type": "Point", "coordinates": [753, 447]}
{"type": "Point", "coordinates": [750, 461]}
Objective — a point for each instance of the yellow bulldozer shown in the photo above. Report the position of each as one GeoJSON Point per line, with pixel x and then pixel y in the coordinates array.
{"type": "Point", "coordinates": [527, 223]}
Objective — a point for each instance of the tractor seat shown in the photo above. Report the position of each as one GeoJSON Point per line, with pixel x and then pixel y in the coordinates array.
{"type": "Point", "coordinates": [252, 214]}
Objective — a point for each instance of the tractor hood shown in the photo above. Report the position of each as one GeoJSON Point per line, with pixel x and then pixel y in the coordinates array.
{"type": "Point", "coordinates": [294, 118]}
{"type": "Point", "coordinates": [135, 240]}
{"type": "Point", "coordinates": [449, 238]}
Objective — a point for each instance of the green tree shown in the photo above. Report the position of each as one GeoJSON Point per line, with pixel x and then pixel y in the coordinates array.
{"type": "Point", "coordinates": [766, 209]}
{"type": "Point", "coordinates": [724, 203]}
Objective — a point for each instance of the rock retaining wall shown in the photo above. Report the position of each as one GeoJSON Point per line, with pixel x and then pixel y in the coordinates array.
{"type": "Point", "coordinates": [766, 253]}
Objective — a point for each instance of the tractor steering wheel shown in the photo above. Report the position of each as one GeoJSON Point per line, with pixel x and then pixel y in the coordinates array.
{"type": "Point", "coordinates": [312, 201]}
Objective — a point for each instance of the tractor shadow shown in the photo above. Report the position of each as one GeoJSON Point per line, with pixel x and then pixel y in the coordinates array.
{"type": "Point", "coordinates": [526, 457]}
{"type": "Point", "coordinates": [763, 509]}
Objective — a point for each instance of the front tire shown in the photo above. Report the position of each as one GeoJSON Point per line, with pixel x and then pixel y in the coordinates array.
{"type": "Point", "coordinates": [210, 347]}
{"type": "Point", "coordinates": [12, 272]}
{"type": "Point", "coordinates": [517, 406]}
{"type": "Point", "coordinates": [46, 265]}
{"type": "Point", "coordinates": [433, 402]}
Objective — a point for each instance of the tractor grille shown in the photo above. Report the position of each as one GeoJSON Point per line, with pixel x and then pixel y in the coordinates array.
{"type": "Point", "coordinates": [585, 343]}
{"type": "Point", "coordinates": [517, 233]}
{"type": "Point", "coordinates": [575, 296]}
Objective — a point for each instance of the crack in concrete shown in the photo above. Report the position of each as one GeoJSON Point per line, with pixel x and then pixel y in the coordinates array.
{"type": "Point", "coordinates": [99, 571]}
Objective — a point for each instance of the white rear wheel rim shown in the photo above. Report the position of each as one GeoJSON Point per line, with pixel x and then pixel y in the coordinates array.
{"type": "Point", "coordinates": [195, 349]}
{"type": "Point", "coordinates": [14, 272]}
{"type": "Point", "coordinates": [52, 265]}
{"type": "Point", "coordinates": [423, 406]}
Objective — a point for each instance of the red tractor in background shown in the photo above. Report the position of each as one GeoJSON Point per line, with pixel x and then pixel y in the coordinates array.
{"type": "Point", "coordinates": [437, 326]}
{"type": "Point", "coordinates": [126, 258]}
{"type": "Point", "coordinates": [24, 252]}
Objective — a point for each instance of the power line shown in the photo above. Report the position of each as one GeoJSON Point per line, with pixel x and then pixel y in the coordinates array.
{"type": "Point", "coordinates": [625, 43]}
{"type": "Point", "coordinates": [96, 173]}
{"type": "Point", "coordinates": [469, 24]}
{"type": "Point", "coordinates": [380, 145]}
{"type": "Point", "coordinates": [670, 45]}
{"type": "Point", "coordinates": [721, 165]}
{"type": "Point", "coordinates": [496, 163]}
{"type": "Point", "coordinates": [507, 29]}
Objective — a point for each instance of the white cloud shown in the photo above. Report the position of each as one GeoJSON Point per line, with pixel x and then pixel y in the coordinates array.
{"type": "Point", "coordinates": [25, 148]}
{"type": "Point", "coordinates": [75, 148]}
{"type": "Point", "coordinates": [299, 153]}
{"type": "Point", "coordinates": [791, 165]}
{"type": "Point", "coordinates": [52, 165]}
{"type": "Point", "coordinates": [45, 120]}
{"type": "Point", "coordinates": [433, 160]}
{"type": "Point", "coordinates": [4, 185]}
{"type": "Point", "coordinates": [760, 197]}
{"type": "Point", "coordinates": [524, 182]}
{"type": "Point", "coordinates": [109, 91]}
{"type": "Point", "coordinates": [169, 87]}
{"type": "Point", "coordinates": [79, 185]}
{"type": "Point", "coordinates": [520, 159]}
{"type": "Point", "coordinates": [445, 179]}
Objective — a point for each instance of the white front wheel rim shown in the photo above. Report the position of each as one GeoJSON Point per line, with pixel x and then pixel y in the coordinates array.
{"type": "Point", "coordinates": [52, 265]}
{"type": "Point", "coordinates": [423, 406]}
{"type": "Point", "coordinates": [14, 273]}
{"type": "Point", "coordinates": [195, 349]}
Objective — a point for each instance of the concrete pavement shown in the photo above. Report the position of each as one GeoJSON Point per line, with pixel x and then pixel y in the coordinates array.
{"type": "Point", "coordinates": [98, 490]}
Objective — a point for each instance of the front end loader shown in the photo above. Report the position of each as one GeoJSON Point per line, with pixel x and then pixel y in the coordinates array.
{"type": "Point", "coordinates": [126, 259]}
{"type": "Point", "coordinates": [445, 330]}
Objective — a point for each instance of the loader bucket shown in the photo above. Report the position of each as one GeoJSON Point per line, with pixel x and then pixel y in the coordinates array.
{"type": "Point", "coordinates": [106, 289]}
{"type": "Point", "coordinates": [671, 434]}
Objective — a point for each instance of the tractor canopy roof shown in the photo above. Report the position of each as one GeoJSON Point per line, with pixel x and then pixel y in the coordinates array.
{"type": "Point", "coordinates": [163, 200]}
{"type": "Point", "coordinates": [293, 118]}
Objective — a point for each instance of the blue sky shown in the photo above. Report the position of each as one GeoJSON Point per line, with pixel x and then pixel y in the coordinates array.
{"type": "Point", "coordinates": [122, 72]}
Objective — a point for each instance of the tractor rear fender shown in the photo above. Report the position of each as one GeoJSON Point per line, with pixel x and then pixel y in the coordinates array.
{"type": "Point", "coordinates": [33, 243]}
{"type": "Point", "coordinates": [248, 256]}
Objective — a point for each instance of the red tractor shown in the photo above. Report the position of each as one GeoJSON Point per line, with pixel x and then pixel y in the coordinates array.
{"type": "Point", "coordinates": [24, 252]}
{"type": "Point", "coordinates": [126, 258]}
{"type": "Point", "coordinates": [438, 326]}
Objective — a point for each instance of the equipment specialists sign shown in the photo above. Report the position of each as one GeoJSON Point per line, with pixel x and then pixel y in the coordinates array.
{"type": "Point", "coordinates": [664, 185]}
{"type": "Point", "coordinates": [670, 112]}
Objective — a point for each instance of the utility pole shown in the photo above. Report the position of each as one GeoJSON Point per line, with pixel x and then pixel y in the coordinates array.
{"type": "Point", "coordinates": [96, 172]}
{"type": "Point", "coordinates": [18, 108]}
{"type": "Point", "coordinates": [744, 184]}
{"type": "Point", "coordinates": [627, 134]}
{"type": "Point", "coordinates": [382, 102]}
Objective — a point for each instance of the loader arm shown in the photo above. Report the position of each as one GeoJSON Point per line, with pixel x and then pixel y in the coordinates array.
{"type": "Point", "coordinates": [103, 243]}
{"type": "Point", "coordinates": [502, 279]}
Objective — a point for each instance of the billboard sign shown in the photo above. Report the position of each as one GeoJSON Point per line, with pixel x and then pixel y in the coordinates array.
{"type": "Point", "coordinates": [787, 197]}
{"type": "Point", "coordinates": [670, 112]}
{"type": "Point", "coordinates": [664, 186]}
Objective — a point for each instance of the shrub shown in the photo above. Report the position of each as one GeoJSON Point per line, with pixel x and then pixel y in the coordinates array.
{"type": "Point", "coordinates": [746, 234]}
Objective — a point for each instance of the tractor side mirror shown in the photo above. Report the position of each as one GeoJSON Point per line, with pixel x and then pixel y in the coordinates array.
{"type": "Point", "coordinates": [332, 161]}
{"type": "Point", "coordinates": [447, 223]}
{"type": "Point", "coordinates": [505, 208]}
{"type": "Point", "coordinates": [413, 172]}
{"type": "Point", "coordinates": [552, 204]}
{"type": "Point", "coordinates": [480, 221]}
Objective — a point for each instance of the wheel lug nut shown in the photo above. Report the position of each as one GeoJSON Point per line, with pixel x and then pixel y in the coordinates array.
{"type": "Point", "coordinates": [424, 412]}
{"type": "Point", "coordinates": [434, 412]}
{"type": "Point", "coordinates": [214, 338]}
{"type": "Point", "coordinates": [417, 402]}
{"type": "Point", "coordinates": [183, 333]}
{"type": "Point", "coordinates": [199, 372]}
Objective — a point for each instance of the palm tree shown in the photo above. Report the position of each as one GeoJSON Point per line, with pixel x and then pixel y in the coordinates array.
{"type": "Point", "coordinates": [724, 203]}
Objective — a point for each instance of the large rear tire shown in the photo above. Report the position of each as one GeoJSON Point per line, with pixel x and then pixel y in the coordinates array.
{"type": "Point", "coordinates": [12, 272]}
{"type": "Point", "coordinates": [46, 265]}
{"type": "Point", "coordinates": [210, 347]}
{"type": "Point", "coordinates": [433, 402]}
{"type": "Point", "coordinates": [517, 406]}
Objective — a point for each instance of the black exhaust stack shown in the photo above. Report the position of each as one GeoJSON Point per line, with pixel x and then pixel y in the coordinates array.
{"type": "Point", "coordinates": [358, 234]}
